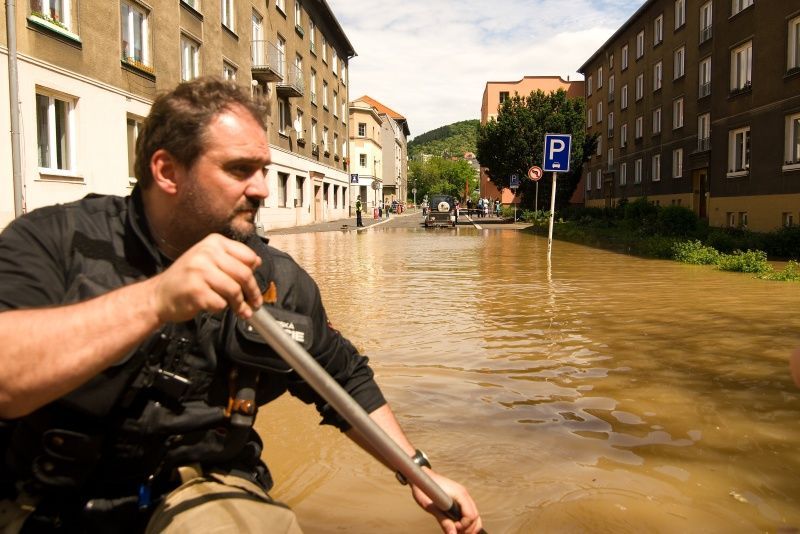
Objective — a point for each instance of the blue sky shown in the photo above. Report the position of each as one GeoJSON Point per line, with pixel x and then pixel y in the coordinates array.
{"type": "Point", "coordinates": [429, 60]}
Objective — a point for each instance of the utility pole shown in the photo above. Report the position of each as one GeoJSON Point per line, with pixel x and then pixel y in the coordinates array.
{"type": "Point", "coordinates": [13, 102]}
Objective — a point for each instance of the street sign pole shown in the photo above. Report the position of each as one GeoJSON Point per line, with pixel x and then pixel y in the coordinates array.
{"type": "Point", "coordinates": [556, 159]}
{"type": "Point", "coordinates": [536, 202]}
{"type": "Point", "coordinates": [552, 213]}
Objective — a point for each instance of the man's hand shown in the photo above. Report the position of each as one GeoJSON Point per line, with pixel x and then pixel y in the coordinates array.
{"type": "Point", "coordinates": [215, 273]}
{"type": "Point", "coordinates": [470, 522]}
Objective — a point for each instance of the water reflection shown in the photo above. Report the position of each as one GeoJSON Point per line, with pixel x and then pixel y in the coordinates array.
{"type": "Point", "coordinates": [608, 394]}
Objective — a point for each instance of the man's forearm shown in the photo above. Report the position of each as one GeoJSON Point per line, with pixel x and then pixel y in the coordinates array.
{"type": "Point", "coordinates": [384, 418]}
{"type": "Point", "coordinates": [49, 352]}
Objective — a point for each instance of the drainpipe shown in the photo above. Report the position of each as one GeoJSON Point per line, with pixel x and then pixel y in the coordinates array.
{"type": "Point", "coordinates": [13, 101]}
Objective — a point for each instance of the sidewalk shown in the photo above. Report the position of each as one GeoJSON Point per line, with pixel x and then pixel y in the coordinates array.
{"type": "Point", "coordinates": [344, 225]}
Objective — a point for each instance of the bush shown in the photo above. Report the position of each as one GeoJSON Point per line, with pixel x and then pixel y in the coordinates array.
{"type": "Point", "coordinates": [785, 243]}
{"type": "Point", "coordinates": [676, 221]}
{"type": "Point", "coordinates": [752, 261]}
{"type": "Point", "coordinates": [695, 252]}
{"type": "Point", "coordinates": [640, 210]}
{"type": "Point", "coordinates": [790, 273]}
{"type": "Point", "coordinates": [538, 218]}
{"type": "Point", "coordinates": [656, 247]}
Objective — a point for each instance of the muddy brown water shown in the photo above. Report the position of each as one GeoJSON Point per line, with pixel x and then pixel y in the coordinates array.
{"type": "Point", "coordinates": [610, 394]}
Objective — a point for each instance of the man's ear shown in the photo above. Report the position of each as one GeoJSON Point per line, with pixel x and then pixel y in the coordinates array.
{"type": "Point", "coordinates": [165, 170]}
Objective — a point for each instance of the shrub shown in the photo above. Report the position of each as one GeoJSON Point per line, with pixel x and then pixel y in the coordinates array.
{"type": "Point", "coordinates": [790, 273]}
{"type": "Point", "coordinates": [785, 243]}
{"type": "Point", "coordinates": [640, 210]}
{"type": "Point", "coordinates": [695, 252]}
{"type": "Point", "coordinates": [656, 247]}
{"type": "Point", "coordinates": [752, 261]}
{"type": "Point", "coordinates": [676, 221]}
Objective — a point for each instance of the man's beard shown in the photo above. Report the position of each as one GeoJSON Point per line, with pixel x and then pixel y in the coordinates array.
{"type": "Point", "coordinates": [250, 205]}
{"type": "Point", "coordinates": [198, 221]}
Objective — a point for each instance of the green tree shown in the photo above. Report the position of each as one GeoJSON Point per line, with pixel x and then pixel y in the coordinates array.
{"type": "Point", "coordinates": [441, 176]}
{"type": "Point", "coordinates": [514, 142]}
{"type": "Point", "coordinates": [446, 141]}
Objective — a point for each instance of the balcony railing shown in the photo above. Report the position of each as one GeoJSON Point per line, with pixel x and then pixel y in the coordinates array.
{"type": "Point", "coordinates": [267, 61]}
{"type": "Point", "coordinates": [703, 144]}
{"type": "Point", "coordinates": [705, 34]}
{"type": "Point", "coordinates": [292, 84]}
{"type": "Point", "coordinates": [705, 89]}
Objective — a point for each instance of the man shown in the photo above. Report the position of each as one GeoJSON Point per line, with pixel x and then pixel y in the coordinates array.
{"type": "Point", "coordinates": [128, 377]}
{"type": "Point", "coordinates": [358, 212]}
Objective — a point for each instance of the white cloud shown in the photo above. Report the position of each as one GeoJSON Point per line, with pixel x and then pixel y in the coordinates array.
{"type": "Point", "coordinates": [429, 60]}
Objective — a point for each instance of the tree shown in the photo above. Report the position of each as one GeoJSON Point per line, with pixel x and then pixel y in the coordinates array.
{"type": "Point", "coordinates": [441, 176]}
{"type": "Point", "coordinates": [514, 142]}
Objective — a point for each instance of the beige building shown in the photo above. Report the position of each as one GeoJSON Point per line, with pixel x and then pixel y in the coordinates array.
{"type": "Point", "coordinates": [495, 93]}
{"type": "Point", "coordinates": [88, 71]}
{"type": "Point", "coordinates": [366, 149]}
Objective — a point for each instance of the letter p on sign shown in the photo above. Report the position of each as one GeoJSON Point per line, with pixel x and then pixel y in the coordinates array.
{"type": "Point", "coordinates": [557, 152]}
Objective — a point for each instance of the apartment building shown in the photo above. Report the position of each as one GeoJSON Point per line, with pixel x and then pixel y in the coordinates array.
{"type": "Point", "coordinates": [394, 157]}
{"type": "Point", "coordinates": [697, 104]}
{"type": "Point", "coordinates": [495, 93]}
{"type": "Point", "coordinates": [89, 70]}
{"type": "Point", "coordinates": [366, 147]}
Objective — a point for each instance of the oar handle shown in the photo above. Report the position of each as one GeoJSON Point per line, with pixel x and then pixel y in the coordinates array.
{"type": "Point", "coordinates": [330, 390]}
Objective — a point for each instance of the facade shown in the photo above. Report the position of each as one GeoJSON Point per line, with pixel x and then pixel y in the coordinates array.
{"type": "Point", "coordinates": [88, 71]}
{"type": "Point", "coordinates": [366, 148]}
{"type": "Point", "coordinates": [697, 104]}
{"type": "Point", "coordinates": [495, 93]}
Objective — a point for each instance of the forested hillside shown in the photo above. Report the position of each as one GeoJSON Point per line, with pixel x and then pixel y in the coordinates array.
{"type": "Point", "coordinates": [451, 140]}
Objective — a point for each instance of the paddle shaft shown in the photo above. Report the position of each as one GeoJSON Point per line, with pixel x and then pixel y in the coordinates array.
{"type": "Point", "coordinates": [330, 390]}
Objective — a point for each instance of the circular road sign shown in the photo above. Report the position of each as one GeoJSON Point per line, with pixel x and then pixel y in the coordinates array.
{"type": "Point", "coordinates": [535, 173]}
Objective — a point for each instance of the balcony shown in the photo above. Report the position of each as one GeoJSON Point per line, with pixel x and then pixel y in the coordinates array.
{"type": "Point", "coordinates": [705, 34]}
{"type": "Point", "coordinates": [705, 90]}
{"type": "Point", "coordinates": [292, 85]}
{"type": "Point", "coordinates": [267, 61]}
{"type": "Point", "coordinates": [703, 144]}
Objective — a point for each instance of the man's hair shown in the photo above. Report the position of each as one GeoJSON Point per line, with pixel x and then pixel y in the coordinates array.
{"type": "Point", "coordinates": [178, 121]}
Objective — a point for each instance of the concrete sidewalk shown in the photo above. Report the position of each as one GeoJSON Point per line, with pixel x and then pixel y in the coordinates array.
{"type": "Point", "coordinates": [345, 225]}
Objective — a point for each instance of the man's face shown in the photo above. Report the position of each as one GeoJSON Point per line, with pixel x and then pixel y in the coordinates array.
{"type": "Point", "coordinates": [222, 191]}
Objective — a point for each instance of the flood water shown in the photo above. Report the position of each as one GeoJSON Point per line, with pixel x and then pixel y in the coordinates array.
{"type": "Point", "coordinates": [617, 394]}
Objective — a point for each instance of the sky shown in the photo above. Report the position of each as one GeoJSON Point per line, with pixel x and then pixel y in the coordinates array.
{"type": "Point", "coordinates": [429, 60]}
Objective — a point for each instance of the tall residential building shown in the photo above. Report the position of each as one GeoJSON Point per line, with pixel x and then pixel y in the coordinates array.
{"type": "Point", "coordinates": [495, 93]}
{"type": "Point", "coordinates": [697, 104]}
{"type": "Point", "coordinates": [90, 69]}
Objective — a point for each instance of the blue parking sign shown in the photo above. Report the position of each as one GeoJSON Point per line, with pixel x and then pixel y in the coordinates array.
{"type": "Point", "coordinates": [556, 152]}
{"type": "Point", "coordinates": [353, 178]}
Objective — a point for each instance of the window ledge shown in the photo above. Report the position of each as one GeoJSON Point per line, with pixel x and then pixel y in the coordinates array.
{"type": "Point", "coordinates": [59, 31]}
{"type": "Point", "coordinates": [740, 11]}
{"type": "Point", "coordinates": [139, 68]}
{"type": "Point", "coordinates": [788, 167]}
{"type": "Point", "coordinates": [56, 175]}
{"type": "Point", "coordinates": [283, 135]}
{"type": "Point", "coordinates": [280, 10]}
{"type": "Point", "coordinates": [794, 71]}
{"type": "Point", "coordinates": [747, 89]}
{"type": "Point", "coordinates": [192, 10]}
{"type": "Point", "coordinates": [299, 30]}
{"type": "Point", "coordinates": [229, 31]}
{"type": "Point", "coordinates": [738, 174]}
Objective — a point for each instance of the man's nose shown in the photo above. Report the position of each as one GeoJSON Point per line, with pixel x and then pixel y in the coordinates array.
{"type": "Point", "coordinates": [257, 185]}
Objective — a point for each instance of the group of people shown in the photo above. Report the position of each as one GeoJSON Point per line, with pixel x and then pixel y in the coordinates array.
{"type": "Point", "coordinates": [130, 379]}
{"type": "Point", "coordinates": [485, 207]}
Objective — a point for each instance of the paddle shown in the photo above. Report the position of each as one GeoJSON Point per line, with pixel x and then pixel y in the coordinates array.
{"type": "Point", "coordinates": [330, 390]}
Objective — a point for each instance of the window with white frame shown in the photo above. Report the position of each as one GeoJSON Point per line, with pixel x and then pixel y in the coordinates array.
{"type": "Point", "coordinates": [54, 11]}
{"type": "Point", "coordinates": [656, 168]}
{"type": "Point", "coordinates": [658, 30]}
{"type": "Point", "coordinates": [312, 37]}
{"type": "Point", "coordinates": [362, 160]}
{"type": "Point", "coordinates": [741, 66]}
{"type": "Point", "coordinates": [739, 5]}
{"type": "Point", "coordinates": [335, 104]}
{"type": "Point", "coordinates": [677, 113]}
{"type": "Point", "coordinates": [599, 77]}
{"type": "Point", "coordinates": [190, 58]}
{"type": "Point", "coordinates": [134, 126]}
{"type": "Point", "coordinates": [283, 120]}
{"type": "Point", "coordinates": [611, 87]}
{"type": "Point", "coordinates": [324, 48]}
{"type": "Point", "coordinates": [598, 179]}
{"type": "Point", "coordinates": [623, 135]}
{"type": "Point", "coordinates": [611, 124]}
{"type": "Point", "coordinates": [706, 11]}
{"type": "Point", "coordinates": [344, 115]}
{"type": "Point", "coordinates": [589, 181]}
{"type": "Point", "coordinates": [589, 86]}
{"type": "Point", "coordinates": [313, 87]}
{"type": "Point", "coordinates": [679, 63]}
{"type": "Point", "coordinates": [281, 4]}
{"type": "Point", "coordinates": [283, 182]}
{"type": "Point", "coordinates": [704, 132]}
{"type": "Point", "coordinates": [280, 43]}
{"type": "Point", "coordinates": [257, 48]}
{"type": "Point", "coordinates": [637, 171]}
{"type": "Point", "coordinates": [739, 150]}
{"type": "Point", "coordinates": [325, 133]}
{"type": "Point", "coordinates": [623, 173]}
{"type": "Point", "coordinates": [325, 94]}
{"type": "Point", "coordinates": [639, 87]}
{"type": "Point", "coordinates": [298, 15]}
{"type": "Point", "coordinates": [55, 132]}
{"type": "Point", "coordinates": [680, 13]}
{"type": "Point", "coordinates": [610, 158]}
{"type": "Point", "coordinates": [599, 146]}
{"type": "Point", "coordinates": [135, 33]}
{"type": "Point", "coordinates": [657, 121]}
{"type": "Point", "coordinates": [362, 129]}
{"type": "Point", "coordinates": [624, 60]}
{"type": "Point", "coordinates": [599, 112]}
{"type": "Point", "coordinates": [313, 131]}
{"type": "Point", "coordinates": [793, 139]}
{"type": "Point", "coordinates": [194, 4]}
{"type": "Point", "coordinates": [794, 44]}
{"type": "Point", "coordinates": [624, 97]}
{"type": "Point", "coordinates": [334, 62]}
{"type": "Point", "coordinates": [611, 63]}
{"type": "Point", "coordinates": [298, 124]}
{"type": "Point", "coordinates": [639, 44]}
{"type": "Point", "coordinates": [299, 186]}
{"type": "Point", "coordinates": [335, 143]}
{"type": "Point", "coordinates": [677, 163]}
{"type": "Point", "coordinates": [658, 76]}
{"type": "Point", "coordinates": [228, 71]}
{"type": "Point", "coordinates": [704, 79]}
{"type": "Point", "coordinates": [639, 127]}
{"type": "Point", "coordinates": [229, 14]}
{"type": "Point", "coordinates": [589, 117]}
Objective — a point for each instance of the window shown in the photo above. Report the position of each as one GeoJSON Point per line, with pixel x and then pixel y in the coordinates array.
{"type": "Point", "coordinates": [739, 150]}
{"type": "Point", "coordinates": [657, 121]}
{"type": "Point", "coordinates": [334, 62]}
{"type": "Point", "coordinates": [298, 124]}
{"type": "Point", "coordinates": [599, 77]}
{"type": "Point", "coordinates": [679, 63]}
{"type": "Point", "coordinates": [362, 160]}
{"type": "Point", "coordinates": [344, 113]}
{"type": "Point", "coordinates": [281, 44]}
{"type": "Point", "coordinates": [741, 66]}
{"type": "Point", "coordinates": [228, 14]}
{"type": "Point", "coordinates": [610, 158]}
{"type": "Point", "coordinates": [134, 127]}
{"type": "Point", "coordinates": [599, 112]}
{"type": "Point", "coordinates": [658, 75]}
{"type": "Point", "coordinates": [134, 34]}
{"type": "Point", "coordinates": [324, 49]}
{"type": "Point", "coordinates": [623, 135]}
{"type": "Point", "coordinates": [610, 63]}
{"type": "Point", "coordinates": [589, 86]}
{"type": "Point", "coordinates": [194, 4]}
{"type": "Point", "coordinates": [283, 120]}
{"type": "Point", "coordinates": [299, 185]}
{"type": "Point", "coordinates": [658, 30]}
{"type": "Point", "coordinates": [637, 171]}
{"type": "Point", "coordinates": [589, 181]}
{"type": "Point", "coordinates": [624, 97]}
{"type": "Point", "coordinates": [325, 94]}
{"type": "Point", "coordinates": [257, 50]}
{"type": "Point", "coordinates": [794, 44]}
{"type": "Point", "coordinates": [680, 13]}
{"type": "Point", "coordinates": [589, 118]}
{"type": "Point", "coordinates": [335, 143]}
{"type": "Point", "coordinates": [639, 87]}
{"type": "Point", "coordinates": [325, 140]}
{"type": "Point", "coordinates": [793, 139]}
{"type": "Point", "coordinates": [298, 15]}
{"type": "Point", "coordinates": [611, 124]}
{"type": "Point", "coordinates": [624, 60]}
{"type": "Point", "coordinates": [599, 146]}
{"type": "Point", "coordinates": [677, 113]}
{"type": "Point", "coordinates": [640, 44]}
{"type": "Point", "coordinates": [55, 11]}
{"type": "Point", "coordinates": [313, 87]}
{"type": "Point", "coordinates": [639, 127]}
{"type": "Point", "coordinates": [313, 130]}
{"type": "Point", "coordinates": [283, 180]}
{"type": "Point", "coordinates": [611, 88]}
{"type": "Point", "coordinates": [787, 218]}
{"type": "Point", "coordinates": [503, 96]}
{"type": "Point", "coordinates": [335, 104]}
{"type": "Point", "coordinates": [704, 132]}
{"type": "Point", "coordinates": [656, 170]}
{"type": "Point", "coordinates": [190, 58]}
{"type": "Point", "coordinates": [598, 179]}
{"type": "Point", "coordinates": [281, 4]}
{"type": "Point", "coordinates": [362, 129]}
{"type": "Point", "coordinates": [677, 163]}
{"type": "Point", "coordinates": [739, 5]}
{"type": "Point", "coordinates": [312, 37]}
{"type": "Point", "coordinates": [705, 22]}
{"type": "Point", "coordinates": [228, 71]}
{"type": "Point", "coordinates": [705, 78]}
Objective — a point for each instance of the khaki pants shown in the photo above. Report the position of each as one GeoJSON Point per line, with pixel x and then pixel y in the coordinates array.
{"type": "Point", "coordinates": [221, 504]}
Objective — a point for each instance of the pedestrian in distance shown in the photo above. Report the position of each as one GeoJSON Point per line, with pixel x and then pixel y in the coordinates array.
{"type": "Point", "coordinates": [134, 411]}
{"type": "Point", "coordinates": [359, 222]}
{"type": "Point", "coordinates": [380, 209]}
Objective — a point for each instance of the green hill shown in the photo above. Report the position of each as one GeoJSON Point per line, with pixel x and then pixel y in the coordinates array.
{"type": "Point", "coordinates": [451, 140]}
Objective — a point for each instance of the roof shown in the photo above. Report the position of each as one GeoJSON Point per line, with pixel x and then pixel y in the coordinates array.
{"type": "Point", "coordinates": [617, 33]}
{"type": "Point", "coordinates": [388, 111]}
{"type": "Point", "coordinates": [339, 32]}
